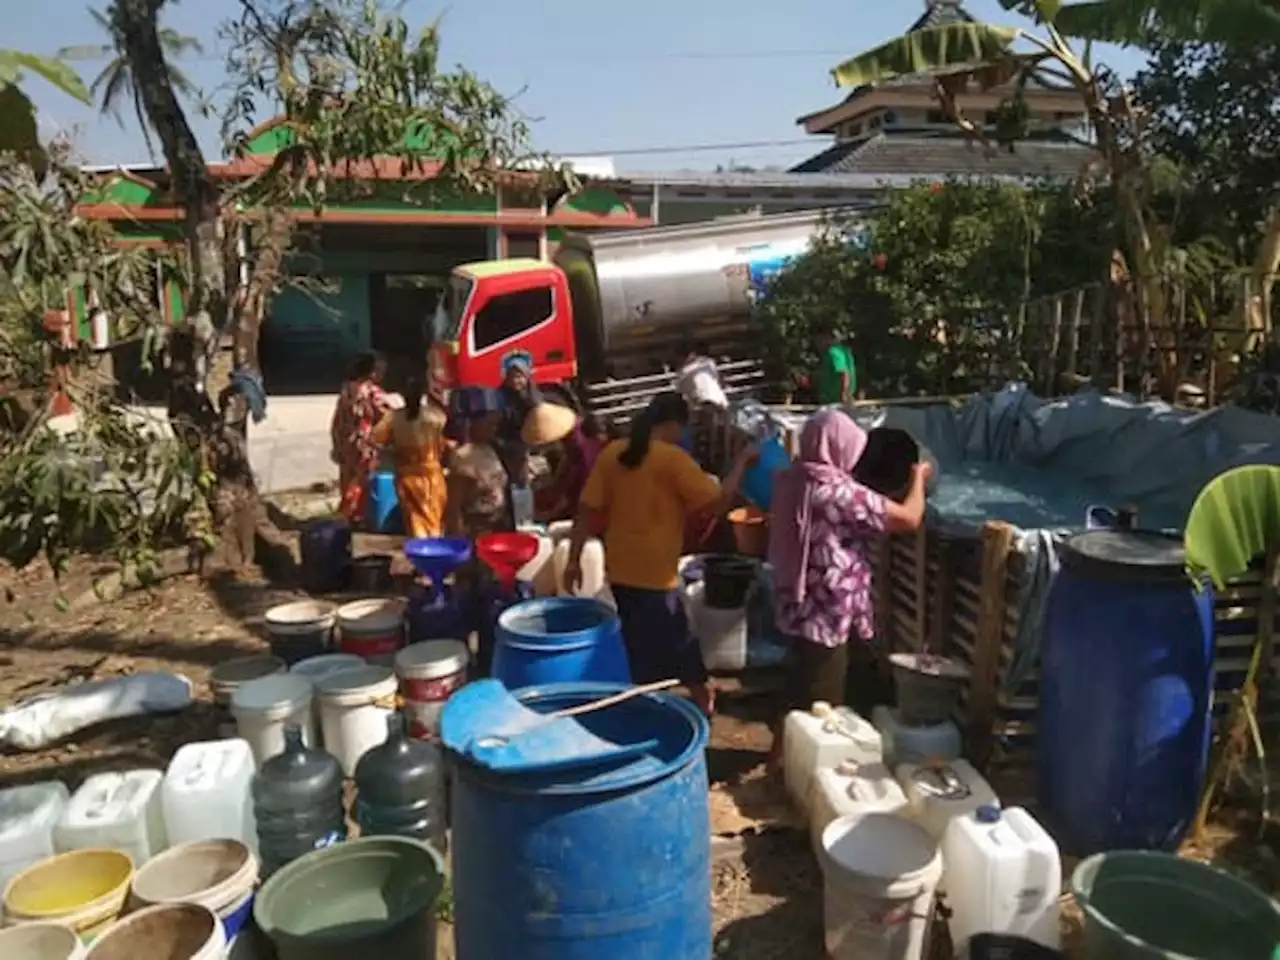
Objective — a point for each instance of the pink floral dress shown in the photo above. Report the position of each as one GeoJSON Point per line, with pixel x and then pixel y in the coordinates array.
{"type": "Point", "coordinates": [847, 520]}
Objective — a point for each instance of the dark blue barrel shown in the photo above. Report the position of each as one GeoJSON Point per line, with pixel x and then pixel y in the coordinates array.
{"type": "Point", "coordinates": [559, 640]}
{"type": "Point", "coordinates": [437, 614]}
{"type": "Point", "coordinates": [1126, 680]}
{"type": "Point", "coordinates": [325, 552]}
{"type": "Point", "coordinates": [587, 862]}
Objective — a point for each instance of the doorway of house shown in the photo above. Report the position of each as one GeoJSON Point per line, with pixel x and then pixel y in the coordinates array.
{"type": "Point", "coordinates": [401, 307]}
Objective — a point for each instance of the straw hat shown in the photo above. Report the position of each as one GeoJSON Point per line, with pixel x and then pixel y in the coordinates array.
{"type": "Point", "coordinates": [547, 423]}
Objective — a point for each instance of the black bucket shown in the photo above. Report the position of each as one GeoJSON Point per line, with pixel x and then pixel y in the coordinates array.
{"type": "Point", "coordinates": [728, 578]}
{"type": "Point", "coordinates": [371, 574]}
{"type": "Point", "coordinates": [885, 464]}
{"type": "Point", "coordinates": [1004, 946]}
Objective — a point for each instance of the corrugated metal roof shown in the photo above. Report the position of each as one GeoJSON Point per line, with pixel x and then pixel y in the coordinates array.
{"type": "Point", "coordinates": [917, 155]}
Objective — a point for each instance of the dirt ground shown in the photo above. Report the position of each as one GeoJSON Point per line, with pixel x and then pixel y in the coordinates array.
{"type": "Point", "coordinates": [767, 888]}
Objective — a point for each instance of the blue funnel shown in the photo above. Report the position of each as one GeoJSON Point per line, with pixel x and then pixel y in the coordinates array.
{"type": "Point", "coordinates": [437, 557]}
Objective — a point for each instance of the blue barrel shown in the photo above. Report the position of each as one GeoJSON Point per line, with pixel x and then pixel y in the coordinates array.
{"type": "Point", "coordinates": [1126, 681]}
{"type": "Point", "coordinates": [325, 553]}
{"type": "Point", "coordinates": [384, 503]}
{"type": "Point", "coordinates": [559, 640]}
{"type": "Point", "coordinates": [757, 482]}
{"type": "Point", "coordinates": [588, 862]}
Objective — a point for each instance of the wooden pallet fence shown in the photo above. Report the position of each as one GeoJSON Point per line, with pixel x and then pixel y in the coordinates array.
{"type": "Point", "coordinates": [957, 596]}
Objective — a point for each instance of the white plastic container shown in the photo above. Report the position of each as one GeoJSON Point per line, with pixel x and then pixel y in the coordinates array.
{"type": "Point", "coordinates": [908, 744]}
{"type": "Point", "coordinates": [28, 817]}
{"type": "Point", "coordinates": [593, 577]}
{"type": "Point", "coordinates": [316, 669]}
{"type": "Point", "coordinates": [850, 789]}
{"type": "Point", "coordinates": [120, 811]}
{"type": "Point", "coordinates": [205, 794]}
{"type": "Point", "coordinates": [559, 530]}
{"type": "Point", "coordinates": [880, 873]}
{"type": "Point", "coordinates": [541, 570]}
{"type": "Point", "coordinates": [41, 941]}
{"type": "Point", "coordinates": [263, 708]}
{"type": "Point", "coordinates": [1004, 876]}
{"type": "Point", "coordinates": [721, 634]}
{"type": "Point", "coordinates": [822, 738]}
{"type": "Point", "coordinates": [938, 793]}
{"type": "Point", "coordinates": [354, 706]}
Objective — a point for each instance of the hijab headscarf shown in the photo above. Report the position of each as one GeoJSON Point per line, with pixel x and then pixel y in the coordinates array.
{"type": "Point", "coordinates": [830, 446]}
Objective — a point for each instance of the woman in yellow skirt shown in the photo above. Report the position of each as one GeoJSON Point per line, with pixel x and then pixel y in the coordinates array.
{"type": "Point", "coordinates": [415, 435]}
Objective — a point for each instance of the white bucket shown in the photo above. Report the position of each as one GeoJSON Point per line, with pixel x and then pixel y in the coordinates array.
{"type": "Point", "coordinates": [429, 673]}
{"type": "Point", "coordinates": [264, 707]}
{"type": "Point", "coordinates": [372, 629]}
{"type": "Point", "coordinates": [218, 874]}
{"type": "Point", "coordinates": [880, 874]}
{"type": "Point", "coordinates": [40, 941]}
{"type": "Point", "coordinates": [300, 629]}
{"type": "Point", "coordinates": [354, 706]}
{"type": "Point", "coordinates": [185, 930]}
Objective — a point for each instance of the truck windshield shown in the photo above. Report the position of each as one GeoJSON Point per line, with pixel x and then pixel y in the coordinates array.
{"type": "Point", "coordinates": [459, 290]}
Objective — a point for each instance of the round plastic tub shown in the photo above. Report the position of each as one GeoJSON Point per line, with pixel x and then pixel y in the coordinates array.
{"type": "Point", "coordinates": [354, 706]}
{"type": "Point", "coordinates": [218, 874]}
{"type": "Point", "coordinates": [429, 674]}
{"type": "Point", "coordinates": [171, 930]}
{"type": "Point", "coordinates": [41, 941]}
{"type": "Point", "coordinates": [301, 629]}
{"type": "Point", "coordinates": [84, 889]}
{"type": "Point", "coordinates": [559, 640]}
{"type": "Point", "coordinates": [372, 629]}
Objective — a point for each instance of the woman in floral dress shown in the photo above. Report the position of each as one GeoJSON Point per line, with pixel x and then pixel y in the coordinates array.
{"type": "Point", "coordinates": [360, 408]}
{"type": "Point", "coordinates": [823, 532]}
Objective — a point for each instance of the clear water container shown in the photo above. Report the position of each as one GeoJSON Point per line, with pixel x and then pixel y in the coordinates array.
{"type": "Point", "coordinates": [120, 811]}
{"type": "Point", "coordinates": [821, 738]}
{"type": "Point", "coordinates": [1004, 874]}
{"type": "Point", "coordinates": [594, 583]}
{"type": "Point", "coordinates": [205, 794]}
{"type": "Point", "coordinates": [938, 793]}
{"type": "Point", "coordinates": [541, 570]}
{"type": "Point", "coordinates": [28, 816]}
{"type": "Point", "coordinates": [904, 743]}
{"type": "Point", "coordinates": [852, 788]}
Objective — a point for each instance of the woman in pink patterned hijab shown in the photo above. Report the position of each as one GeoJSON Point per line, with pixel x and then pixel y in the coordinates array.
{"type": "Point", "coordinates": [824, 530]}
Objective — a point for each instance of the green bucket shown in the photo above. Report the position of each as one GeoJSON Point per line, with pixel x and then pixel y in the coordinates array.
{"type": "Point", "coordinates": [1144, 905]}
{"type": "Point", "coordinates": [372, 897]}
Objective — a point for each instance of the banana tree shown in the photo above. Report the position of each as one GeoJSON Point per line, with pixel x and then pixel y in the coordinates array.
{"type": "Point", "coordinates": [957, 56]}
{"type": "Point", "coordinates": [1235, 520]}
{"type": "Point", "coordinates": [17, 112]}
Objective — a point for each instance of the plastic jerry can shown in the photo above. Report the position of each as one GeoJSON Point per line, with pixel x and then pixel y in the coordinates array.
{"type": "Point", "coordinates": [851, 788]}
{"type": "Point", "coordinates": [205, 794]}
{"type": "Point", "coordinates": [823, 737]}
{"type": "Point", "coordinates": [120, 811]}
{"type": "Point", "coordinates": [1005, 876]}
{"type": "Point", "coordinates": [28, 816]}
{"type": "Point", "coordinates": [939, 792]}
{"type": "Point", "coordinates": [904, 743]}
{"type": "Point", "coordinates": [541, 570]}
{"type": "Point", "coordinates": [593, 577]}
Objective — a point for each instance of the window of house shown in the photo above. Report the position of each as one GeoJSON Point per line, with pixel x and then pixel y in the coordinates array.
{"type": "Point", "coordinates": [875, 122]}
{"type": "Point", "coordinates": [935, 117]}
{"type": "Point", "coordinates": [524, 244]}
{"type": "Point", "coordinates": [511, 314]}
{"type": "Point", "coordinates": [890, 118]}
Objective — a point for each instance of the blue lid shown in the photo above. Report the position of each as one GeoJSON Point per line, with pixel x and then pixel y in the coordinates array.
{"type": "Point", "coordinates": [987, 814]}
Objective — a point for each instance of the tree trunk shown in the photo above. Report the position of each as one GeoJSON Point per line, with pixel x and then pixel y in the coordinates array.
{"type": "Point", "coordinates": [236, 506]}
{"type": "Point", "coordinates": [1265, 264]}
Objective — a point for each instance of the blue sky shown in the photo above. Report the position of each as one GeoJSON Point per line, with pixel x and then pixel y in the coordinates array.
{"type": "Point", "coordinates": [598, 76]}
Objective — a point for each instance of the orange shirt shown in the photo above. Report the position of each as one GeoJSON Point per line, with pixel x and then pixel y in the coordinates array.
{"type": "Point", "coordinates": [644, 511]}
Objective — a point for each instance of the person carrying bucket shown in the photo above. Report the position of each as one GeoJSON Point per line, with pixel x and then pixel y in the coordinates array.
{"type": "Point", "coordinates": [415, 435]}
{"type": "Point", "coordinates": [822, 534]}
{"type": "Point", "coordinates": [640, 493]}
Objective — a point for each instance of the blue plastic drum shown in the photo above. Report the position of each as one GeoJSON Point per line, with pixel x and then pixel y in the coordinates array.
{"type": "Point", "coordinates": [559, 640]}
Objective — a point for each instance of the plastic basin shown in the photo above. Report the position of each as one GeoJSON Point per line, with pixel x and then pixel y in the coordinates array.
{"type": "Point", "coordinates": [84, 889]}
{"type": "Point", "coordinates": [1142, 905]}
{"type": "Point", "coordinates": [166, 932]}
{"type": "Point", "coordinates": [372, 894]}
{"type": "Point", "coordinates": [40, 941]}
{"type": "Point", "coordinates": [218, 874]}
{"type": "Point", "coordinates": [435, 557]}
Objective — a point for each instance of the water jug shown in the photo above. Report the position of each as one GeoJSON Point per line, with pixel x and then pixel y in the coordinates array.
{"type": "Point", "coordinates": [820, 738]}
{"type": "Point", "coordinates": [297, 803]}
{"type": "Point", "coordinates": [120, 811]}
{"type": "Point", "coordinates": [849, 789]}
{"type": "Point", "coordinates": [205, 793]}
{"type": "Point", "coordinates": [28, 816]}
{"type": "Point", "coordinates": [938, 792]}
{"type": "Point", "coordinates": [1004, 875]}
{"type": "Point", "coordinates": [400, 788]}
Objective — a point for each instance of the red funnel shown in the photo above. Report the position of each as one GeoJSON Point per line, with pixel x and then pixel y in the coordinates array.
{"type": "Point", "coordinates": [506, 553]}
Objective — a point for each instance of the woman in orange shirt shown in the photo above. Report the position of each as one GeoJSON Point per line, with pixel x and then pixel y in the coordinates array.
{"type": "Point", "coordinates": [415, 435]}
{"type": "Point", "coordinates": [640, 493]}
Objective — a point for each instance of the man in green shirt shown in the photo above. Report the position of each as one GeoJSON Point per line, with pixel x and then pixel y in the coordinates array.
{"type": "Point", "coordinates": [837, 377]}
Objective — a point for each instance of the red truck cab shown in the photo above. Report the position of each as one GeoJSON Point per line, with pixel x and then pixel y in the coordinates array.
{"type": "Point", "coordinates": [500, 311]}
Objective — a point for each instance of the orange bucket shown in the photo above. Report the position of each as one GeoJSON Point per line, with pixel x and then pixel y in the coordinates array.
{"type": "Point", "coordinates": [750, 530]}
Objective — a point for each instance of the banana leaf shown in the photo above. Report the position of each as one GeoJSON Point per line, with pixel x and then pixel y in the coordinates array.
{"type": "Point", "coordinates": [931, 51]}
{"type": "Point", "coordinates": [1233, 521]}
{"type": "Point", "coordinates": [1137, 22]}
{"type": "Point", "coordinates": [14, 63]}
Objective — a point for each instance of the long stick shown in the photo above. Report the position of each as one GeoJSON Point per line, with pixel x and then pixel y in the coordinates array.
{"type": "Point", "coordinates": [617, 698]}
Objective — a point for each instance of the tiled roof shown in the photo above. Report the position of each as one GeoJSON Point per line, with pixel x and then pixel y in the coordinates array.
{"type": "Point", "coordinates": [920, 154]}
